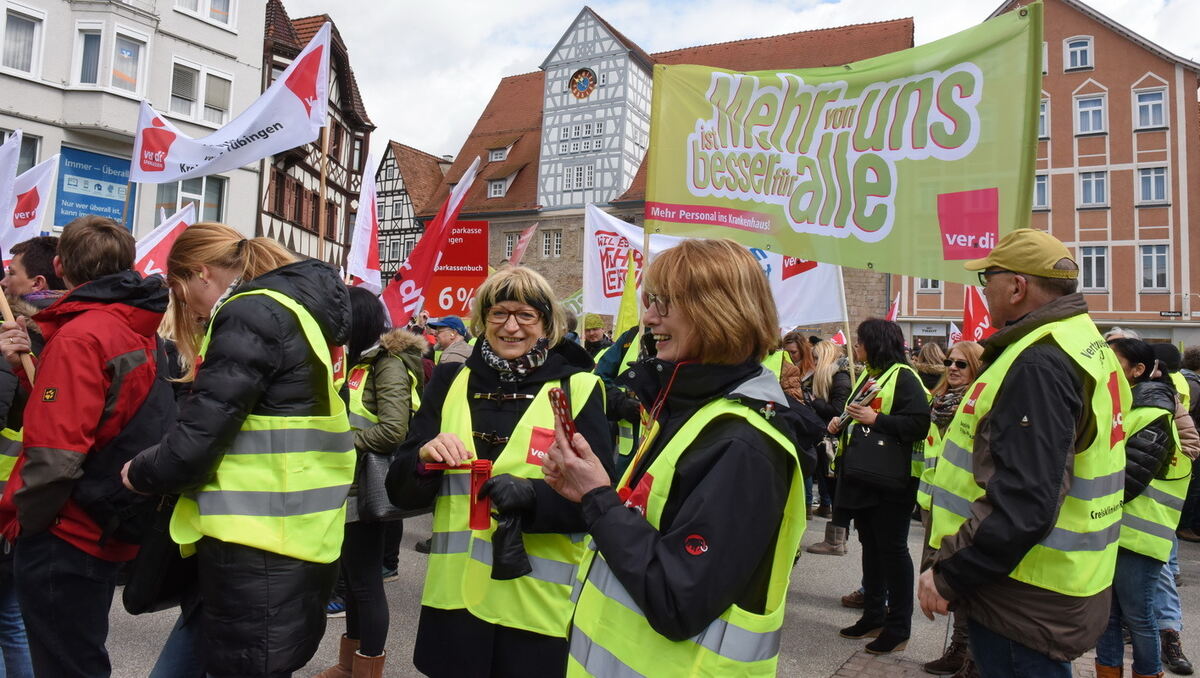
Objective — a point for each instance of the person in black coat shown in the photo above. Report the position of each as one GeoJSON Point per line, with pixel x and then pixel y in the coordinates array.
{"type": "Point", "coordinates": [262, 613]}
{"type": "Point", "coordinates": [521, 348]}
{"type": "Point", "coordinates": [882, 514]}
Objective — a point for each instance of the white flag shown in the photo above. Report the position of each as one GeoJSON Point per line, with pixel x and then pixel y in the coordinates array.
{"type": "Point", "coordinates": [363, 261]}
{"type": "Point", "coordinates": [289, 114]}
{"type": "Point", "coordinates": [154, 248]}
{"type": "Point", "coordinates": [955, 334]}
{"type": "Point", "coordinates": [10, 153]}
{"type": "Point", "coordinates": [805, 292]}
{"type": "Point", "coordinates": [522, 244]}
{"type": "Point", "coordinates": [30, 202]}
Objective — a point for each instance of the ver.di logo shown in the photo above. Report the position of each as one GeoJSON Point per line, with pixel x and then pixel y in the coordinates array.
{"type": "Point", "coordinates": [156, 143]}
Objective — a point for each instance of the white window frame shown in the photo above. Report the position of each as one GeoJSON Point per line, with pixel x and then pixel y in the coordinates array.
{"type": "Point", "coordinates": [39, 38]}
{"type": "Point", "coordinates": [510, 243]}
{"type": "Point", "coordinates": [576, 130]}
{"type": "Point", "coordinates": [33, 139]}
{"type": "Point", "coordinates": [1089, 53]}
{"type": "Point", "coordinates": [589, 176]}
{"type": "Point", "coordinates": [1162, 105]}
{"type": "Point", "coordinates": [1044, 180]}
{"type": "Point", "coordinates": [89, 28]}
{"type": "Point", "coordinates": [497, 154]}
{"type": "Point", "coordinates": [552, 244]}
{"type": "Point", "coordinates": [1151, 172]}
{"type": "Point", "coordinates": [1085, 177]}
{"type": "Point", "coordinates": [397, 209]}
{"type": "Point", "coordinates": [143, 74]}
{"type": "Point", "coordinates": [1043, 130]}
{"type": "Point", "coordinates": [380, 208]}
{"type": "Point", "coordinates": [564, 133]}
{"type": "Point", "coordinates": [1103, 109]}
{"type": "Point", "coordinates": [1045, 58]}
{"type": "Point", "coordinates": [497, 188]}
{"type": "Point", "coordinates": [197, 115]}
{"type": "Point", "coordinates": [198, 198]}
{"type": "Point", "coordinates": [1094, 262]}
{"type": "Point", "coordinates": [408, 243]}
{"type": "Point", "coordinates": [394, 250]}
{"type": "Point", "coordinates": [203, 13]}
{"type": "Point", "coordinates": [602, 79]}
{"type": "Point", "coordinates": [575, 146]}
{"type": "Point", "coordinates": [1166, 260]}
{"type": "Point", "coordinates": [564, 148]}
{"type": "Point", "coordinates": [929, 286]}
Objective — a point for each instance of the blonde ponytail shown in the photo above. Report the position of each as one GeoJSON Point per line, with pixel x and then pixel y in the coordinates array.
{"type": "Point", "coordinates": [218, 246]}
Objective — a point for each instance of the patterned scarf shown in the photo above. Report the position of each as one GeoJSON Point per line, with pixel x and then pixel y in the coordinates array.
{"type": "Point", "coordinates": [944, 406]}
{"type": "Point", "coordinates": [518, 368]}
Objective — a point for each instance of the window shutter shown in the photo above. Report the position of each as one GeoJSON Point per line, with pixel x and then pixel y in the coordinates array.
{"type": "Point", "coordinates": [183, 83]}
{"type": "Point", "coordinates": [216, 93]}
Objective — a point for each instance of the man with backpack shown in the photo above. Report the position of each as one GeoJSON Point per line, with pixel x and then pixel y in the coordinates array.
{"type": "Point", "coordinates": [85, 417]}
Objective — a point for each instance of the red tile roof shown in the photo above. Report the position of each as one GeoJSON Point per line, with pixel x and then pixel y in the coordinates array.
{"type": "Point", "coordinates": [421, 171]}
{"type": "Point", "coordinates": [293, 35]}
{"type": "Point", "coordinates": [516, 105]}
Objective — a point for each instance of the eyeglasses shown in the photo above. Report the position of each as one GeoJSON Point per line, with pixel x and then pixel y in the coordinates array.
{"type": "Point", "coordinates": [983, 275]}
{"type": "Point", "coordinates": [960, 364]}
{"type": "Point", "coordinates": [500, 316]}
{"type": "Point", "coordinates": [661, 303]}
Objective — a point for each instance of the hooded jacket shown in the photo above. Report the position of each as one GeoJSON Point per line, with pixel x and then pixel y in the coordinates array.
{"type": "Point", "coordinates": [1148, 449]}
{"type": "Point", "coordinates": [388, 391]}
{"type": "Point", "coordinates": [730, 487]}
{"type": "Point", "coordinates": [258, 362]}
{"type": "Point", "coordinates": [95, 370]}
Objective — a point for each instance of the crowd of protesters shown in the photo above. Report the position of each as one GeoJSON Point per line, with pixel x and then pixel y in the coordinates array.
{"type": "Point", "coordinates": [243, 438]}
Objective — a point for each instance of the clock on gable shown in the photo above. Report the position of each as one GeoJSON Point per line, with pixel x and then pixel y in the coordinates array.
{"type": "Point", "coordinates": [582, 83]}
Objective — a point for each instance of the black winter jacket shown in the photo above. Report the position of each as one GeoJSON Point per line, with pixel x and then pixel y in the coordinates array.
{"type": "Point", "coordinates": [258, 362]}
{"type": "Point", "coordinates": [730, 487]}
{"type": "Point", "coordinates": [1149, 448]}
{"type": "Point", "coordinates": [409, 489]}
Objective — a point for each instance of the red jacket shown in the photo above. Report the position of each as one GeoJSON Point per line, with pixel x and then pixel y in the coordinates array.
{"type": "Point", "coordinates": [96, 369]}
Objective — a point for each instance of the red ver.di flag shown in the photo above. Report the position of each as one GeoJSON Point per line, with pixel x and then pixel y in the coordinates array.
{"type": "Point", "coordinates": [977, 321]}
{"type": "Point", "coordinates": [289, 114]}
{"type": "Point", "coordinates": [461, 270]}
{"type": "Point", "coordinates": [153, 248]}
{"type": "Point", "coordinates": [406, 292]}
{"type": "Point", "coordinates": [30, 201]}
{"type": "Point", "coordinates": [363, 262]}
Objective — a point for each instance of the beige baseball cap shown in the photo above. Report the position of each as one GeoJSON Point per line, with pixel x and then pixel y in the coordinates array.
{"type": "Point", "coordinates": [1029, 251]}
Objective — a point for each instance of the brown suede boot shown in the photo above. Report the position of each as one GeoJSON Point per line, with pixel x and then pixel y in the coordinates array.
{"type": "Point", "coordinates": [345, 666]}
{"type": "Point", "coordinates": [834, 544]}
{"type": "Point", "coordinates": [950, 662]}
{"type": "Point", "coordinates": [368, 667]}
{"type": "Point", "coordinates": [1103, 671]}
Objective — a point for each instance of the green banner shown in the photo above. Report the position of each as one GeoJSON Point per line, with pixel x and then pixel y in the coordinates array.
{"type": "Point", "coordinates": [906, 163]}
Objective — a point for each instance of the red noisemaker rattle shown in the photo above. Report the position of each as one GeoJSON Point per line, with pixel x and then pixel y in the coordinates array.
{"type": "Point", "coordinates": [481, 470]}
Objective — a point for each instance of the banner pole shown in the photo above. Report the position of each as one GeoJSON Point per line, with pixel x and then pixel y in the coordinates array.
{"type": "Point", "coordinates": [846, 322]}
{"type": "Point", "coordinates": [6, 312]}
{"type": "Point", "coordinates": [125, 209]}
{"type": "Point", "coordinates": [324, 171]}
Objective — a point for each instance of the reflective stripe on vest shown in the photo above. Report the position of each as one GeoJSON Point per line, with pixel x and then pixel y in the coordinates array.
{"type": "Point", "coordinates": [1149, 520]}
{"type": "Point", "coordinates": [931, 450]}
{"type": "Point", "coordinates": [281, 485]}
{"type": "Point", "coordinates": [1078, 555]}
{"type": "Point", "coordinates": [629, 433]}
{"type": "Point", "coordinates": [610, 636]}
{"type": "Point", "coordinates": [883, 403]}
{"type": "Point", "coordinates": [460, 563]}
{"type": "Point", "coordinates": [10, 449]}
{"type": "Point", "coordinates": [361, 417]}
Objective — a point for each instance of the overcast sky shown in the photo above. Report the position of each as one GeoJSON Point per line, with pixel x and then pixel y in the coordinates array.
{"type": "Point", "coordinates": [427, 68]}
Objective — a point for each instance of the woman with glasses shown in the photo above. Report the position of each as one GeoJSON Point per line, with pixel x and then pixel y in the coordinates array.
{"type": "Point", "coordinates": [962, 366]}
{"type": "Point", "coordinates": [497, 601]}
{"type": "Point", "coordinates": [715, 488]}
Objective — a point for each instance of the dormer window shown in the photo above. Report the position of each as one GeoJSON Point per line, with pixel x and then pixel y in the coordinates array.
{"type": "Point", "coordinates": [497, 154]}
{"type": "Point", "coordinates": [497, 187]}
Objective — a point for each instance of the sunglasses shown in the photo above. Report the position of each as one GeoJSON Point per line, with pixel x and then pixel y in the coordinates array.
{"type": "Point", "coordinates": [960, 364]}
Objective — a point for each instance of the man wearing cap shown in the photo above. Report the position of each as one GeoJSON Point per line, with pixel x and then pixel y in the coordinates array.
{"type": "Point", "coordinates": [451, 337]}
{"type": "Point", "coordinates": [1027, 498]}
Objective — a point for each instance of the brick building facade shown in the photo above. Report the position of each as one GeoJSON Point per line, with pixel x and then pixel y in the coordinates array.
{"type": "Point", "coordinates": [1117, 157]}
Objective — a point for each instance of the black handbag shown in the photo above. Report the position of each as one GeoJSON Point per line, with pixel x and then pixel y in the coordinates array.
{"type": "Point", "coordinates": [373, 502]}
{"type": "Point", "coordinates": [159, 575]}
{"type": "Point", "coordinates": [877, 459]}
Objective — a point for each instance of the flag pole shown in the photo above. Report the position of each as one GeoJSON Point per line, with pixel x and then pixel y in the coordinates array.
{"type": "Point", "coordinates": [125, 209]}
{"type": "Point", "coordinates": [6, 311]}
{"type": "Point", "coordinates": [846, 322]}
{"type": "Point", "coordinates": [321, 225]}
